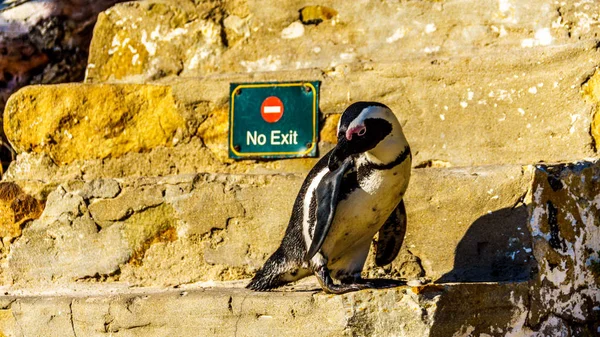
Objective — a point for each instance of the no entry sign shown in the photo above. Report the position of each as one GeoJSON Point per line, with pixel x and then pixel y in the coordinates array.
{"type": "Point", "coordinates": [273, 120]}
{"type": "Point", "coordinates": [271, 109]}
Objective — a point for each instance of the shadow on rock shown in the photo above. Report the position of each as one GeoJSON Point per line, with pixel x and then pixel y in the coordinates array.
{"type": "Point", "coordinates": [497, 247]}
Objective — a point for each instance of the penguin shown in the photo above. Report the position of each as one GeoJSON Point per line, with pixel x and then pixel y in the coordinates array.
{"type": "Point", "coordinates": [353, 192]}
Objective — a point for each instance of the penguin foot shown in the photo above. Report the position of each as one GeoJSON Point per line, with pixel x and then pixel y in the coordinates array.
{"type": "Point", "coordinates": [380, 283]}
{"type": "Point", "coordinates": [326, 282]}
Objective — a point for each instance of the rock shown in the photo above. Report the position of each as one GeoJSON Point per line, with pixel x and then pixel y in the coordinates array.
{"type": "Point", "coordinates": [591, 92]}
{"type": "Point", "coordinates": [101, 189]}
{"type": "Point", "coordinates": [236, 29]}
{"type": "Point", "coordinates": [566, 245]}
{"type": "Point", "coordinates": [129, 201]}
{"type": "Point", "coordinates": [198, 40]}
{"type": "Point", "coordinates": [406, 267]}
{"type": "Point", "coordinates": [226, 310]}
{"type": "Point", "coordinates": [509, 128]}
{"type": "Point", "coordinates": [199, 227]}
{"type": "Point", "coordinates": [152, 39]}
{"type": "Point", "coordinates": [176, 262]}
{"type": "Point", "coordinates": [67, 245]}
{"type": "Point", "coordinates": [267, 204]}
{"type": "Point", "coordinates": [16, 208]}
{"type": "Point", "coordinates": [32, 166]}
{"type": "Point", "coordinates": [150, 226]}
{"type": "Point", "coordinates": [187, 158]}
{"type": "Point", "coordinates": [41, 43]}
{"type": "Point", "coordinates": [207, 208]}
{"type": "Point", "coordinates": [64, 245]}
{"type": "Point", "coordinates": [248, 36]}
{"type": "Point", "coordinates": [477, 220]}
{"type": "Point", "coordinates": [92, 122]}
{"type": "Point", "coordinates": [293, 31]}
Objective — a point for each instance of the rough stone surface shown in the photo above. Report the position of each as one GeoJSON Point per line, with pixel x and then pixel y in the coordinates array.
{"type": "Point", "coordinates": [513, 106]}
{"type": "Point", "coordinates": [146, 40]}
{"type": "Point", "coordinates": [230, 311]}
{"type": "Point", "coordinates": [43, 42]}
{"type": "Point", "coordinates": [92, 122]}
{"type": "Point", "coordinates": [187, 158]}
{"type": "Point", "coordinates": [205, 209]}
{"type": "Point", "coordinates": [464, 225]}
{"type": "Point", "coordinates": [130, 201]}
{"type": "Point", "coordinates": [435, 63]}
{"type": "Point", "coordinates": [469, 224]}
{"type": "Point", "coordinates": [65, 245]}
{"type": "Point", "coordinates": [158, 52]}
{"type": "Point", "coordinates": [16, 208]}
{"type": "Point", "coordinates": [101, 189]}
{"type": "Point", "coordinates": [497, 83]}
{"type": "Point", "coordinates": [566, 239]}
{"type": "Point", "coordinates": [535, 101]}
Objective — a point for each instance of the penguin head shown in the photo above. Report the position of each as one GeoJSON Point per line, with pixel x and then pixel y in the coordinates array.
{"type": "Point", "coordinates": [367, 127]}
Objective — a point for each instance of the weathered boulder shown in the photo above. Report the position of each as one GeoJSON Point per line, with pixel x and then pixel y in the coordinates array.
{"type": "Point", "coordinates": [565, 228]}
{"type": "Point", "coordinates": [43, 42]}
{"type": "Point", "coordinates": [64, 244]}
{"type": "Point", "coordinates": [146, 40]}
{"type": "Point", "coordinates": [75, 121]}
{"type": "Point", "coordinates": [177, 33]}
{"type": "Point", "coordinates": [464, 225]}
{"type": "Point", "coordinates": [512, 118]}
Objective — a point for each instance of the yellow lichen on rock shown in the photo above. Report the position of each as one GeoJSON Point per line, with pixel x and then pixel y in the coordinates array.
{"type": "Point", "coordinates": [591, 92]}
{"type": "Point", "coordinates": [76, 121]}
{"type": "Point", "coordinates": [316, 14]}
{"type": "Point", "coordinates": [214, 133]}
{"type": "Point", "coordinates": [329, 130]}
{"type": "Point", "coordinates": [125, 56]}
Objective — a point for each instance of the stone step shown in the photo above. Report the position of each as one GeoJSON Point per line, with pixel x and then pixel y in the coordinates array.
{"type": "Point", "coordinates": [560, 299]}
{"type": "Point", "coordinates": [461, 112]}
{"type": "Point", "coordinates": [146, 40]}
{"type": "Point", "coordinates": [228, 310]}
{"type": "Point", "coordinates": [465, 224]}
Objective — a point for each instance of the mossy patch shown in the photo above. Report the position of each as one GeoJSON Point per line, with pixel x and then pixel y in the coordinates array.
{"type": "Point", "coordinates": [142, 229]}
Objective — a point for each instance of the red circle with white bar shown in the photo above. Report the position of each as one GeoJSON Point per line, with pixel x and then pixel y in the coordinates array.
{"type": "Point", "coordinates": [271, 109]}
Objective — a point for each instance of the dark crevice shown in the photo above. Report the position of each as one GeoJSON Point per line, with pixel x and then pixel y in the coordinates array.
{"type": "Point", "coordinates": [8, 306]}
{"type": "Point", "coordinates": [132, 327]}
{"type": "Point", "coordinates": [237, 322]}
{"type": "Point", "coordinates": [555, 241]}
{"type": "Point", "coordinates": [229, 304]}
{"type": "Point", "coordinates": [114, 276]}
{"type": "Point", "coordinates": [593, 144]}
{"type": "Point", "coordinates": [72, 319]}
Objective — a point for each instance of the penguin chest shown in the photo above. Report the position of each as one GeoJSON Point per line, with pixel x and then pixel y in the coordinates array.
{"type": "Point", "coordinates": [362, 213]}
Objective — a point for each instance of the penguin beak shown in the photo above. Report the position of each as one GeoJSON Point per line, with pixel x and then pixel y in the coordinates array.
{"type": "Point", "coordinates": [339, 154]}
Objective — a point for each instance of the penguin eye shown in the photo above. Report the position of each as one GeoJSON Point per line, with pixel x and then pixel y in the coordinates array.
{"type": "Point", "coordinates": [362, 131]}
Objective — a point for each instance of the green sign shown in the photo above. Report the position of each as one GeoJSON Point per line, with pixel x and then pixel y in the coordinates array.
{"type": "Point", "coordinates": [273, 120]}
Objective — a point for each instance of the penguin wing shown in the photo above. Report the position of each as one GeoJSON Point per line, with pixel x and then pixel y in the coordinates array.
{"type": "Point", "coordinates": [391, 236]}
{"type": "Point", "coordinates": [327, 198]}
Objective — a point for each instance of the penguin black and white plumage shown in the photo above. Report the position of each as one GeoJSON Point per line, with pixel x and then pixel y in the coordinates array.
{"type": "Point", "coordinates": [352, 193]}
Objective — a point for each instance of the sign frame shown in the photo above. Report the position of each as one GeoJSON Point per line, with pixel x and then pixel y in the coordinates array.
{"type": "Point", "coordinates": [308, 151]}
